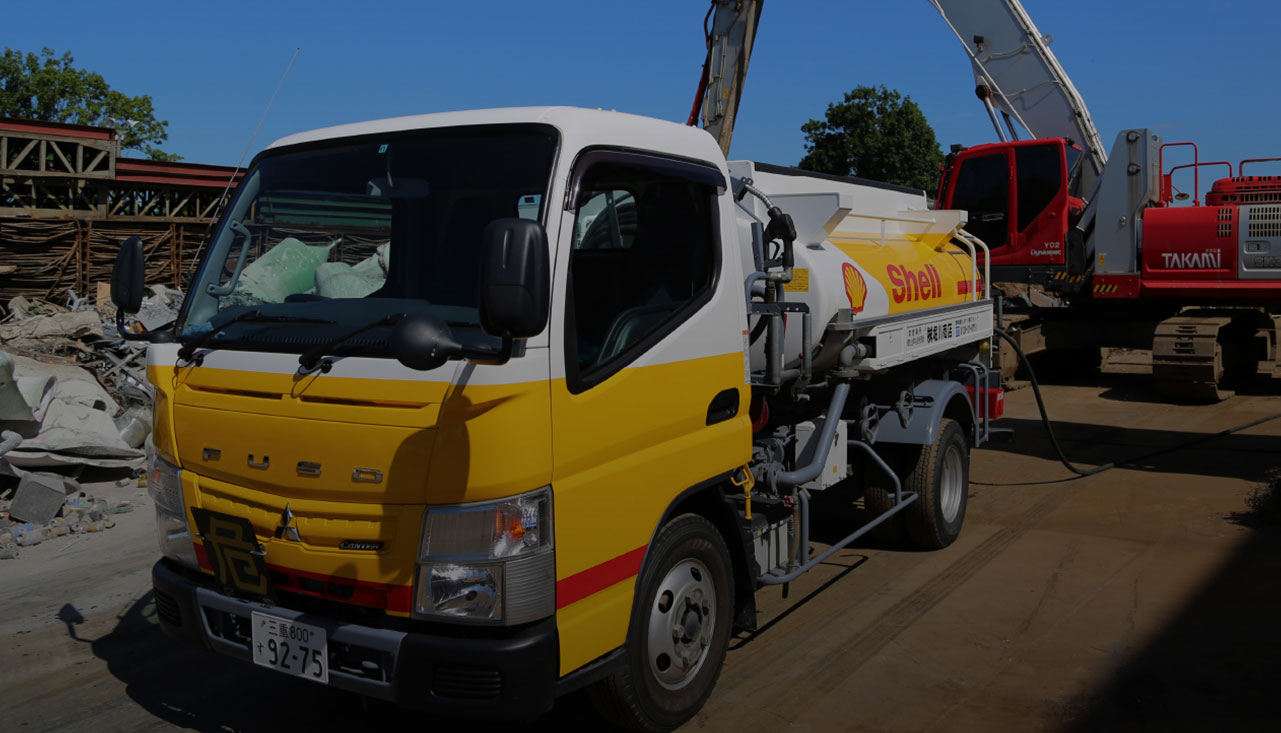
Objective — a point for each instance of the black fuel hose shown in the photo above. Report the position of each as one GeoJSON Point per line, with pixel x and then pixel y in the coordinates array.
{"type": "Point", "coordinates": [1083, 472]}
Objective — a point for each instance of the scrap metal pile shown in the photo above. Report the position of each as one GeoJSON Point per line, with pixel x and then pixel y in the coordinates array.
{"type": "Point", "coordinates": [73, 398]}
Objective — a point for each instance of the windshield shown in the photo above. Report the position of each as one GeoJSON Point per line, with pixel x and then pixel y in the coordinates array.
{"type": "Point", "coordinates": [323, 240]}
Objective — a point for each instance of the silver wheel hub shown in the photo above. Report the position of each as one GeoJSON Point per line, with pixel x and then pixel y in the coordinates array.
{"type": "Point", "coordinates": [952, 483]}
{"type": "Point", "coordinates": [681, 623]}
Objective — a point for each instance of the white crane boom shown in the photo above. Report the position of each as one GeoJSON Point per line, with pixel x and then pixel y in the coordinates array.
{"type": "Point", "coordinates": [1017, 74]}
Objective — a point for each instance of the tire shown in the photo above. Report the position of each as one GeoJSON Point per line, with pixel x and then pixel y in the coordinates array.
{"type": "Point", "coordinates": [667, 677]}
{"type": "Point", "coordinates": [940, 476]}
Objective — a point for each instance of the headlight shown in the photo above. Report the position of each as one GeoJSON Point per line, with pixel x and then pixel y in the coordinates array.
{"type": "Point", "coordinates": [164, 483]}
{"type": "Point", "coordinates": [491, 562]}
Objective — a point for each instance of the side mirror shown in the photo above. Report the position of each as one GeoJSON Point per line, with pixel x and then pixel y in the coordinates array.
{"type": "Point", "coordinates": [127, 277]}
{"type": "Point", "coordinates": [515, 278]}
{"type": "Point", "coordinates": [422, 342]}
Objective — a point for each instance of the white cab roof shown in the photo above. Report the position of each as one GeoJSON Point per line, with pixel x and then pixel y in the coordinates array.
{"type": "Point", "coordinates": [579, 128]}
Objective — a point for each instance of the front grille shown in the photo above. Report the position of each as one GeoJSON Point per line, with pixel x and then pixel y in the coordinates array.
{"type": "Point", "coordinates": [467, 683]}
{"type": "Point", "coordinates": [167, 609]}
{"type": "Point", "coordinates": [359, 661]}
{"type": "Point", "coordinates": [229, 626]}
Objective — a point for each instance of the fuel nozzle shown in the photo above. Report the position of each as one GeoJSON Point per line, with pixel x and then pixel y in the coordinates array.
{"type": "Point", "coordinates": [782, 228]}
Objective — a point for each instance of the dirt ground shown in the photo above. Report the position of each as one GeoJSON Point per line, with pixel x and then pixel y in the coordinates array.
{"type": "Point", "coordinates": [1143, 598]}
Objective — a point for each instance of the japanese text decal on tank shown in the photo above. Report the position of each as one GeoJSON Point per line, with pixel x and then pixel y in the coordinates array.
{"type": "Point", "coordinates": [855, 287]}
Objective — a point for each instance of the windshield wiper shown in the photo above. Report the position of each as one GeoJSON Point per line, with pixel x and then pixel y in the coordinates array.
{"type": "Point", "coordinates": [253, 316]}
{"type": "Point", "coordinates": [309, 360]}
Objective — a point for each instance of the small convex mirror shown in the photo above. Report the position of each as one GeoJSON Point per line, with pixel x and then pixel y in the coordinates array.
{"type": "Point", "coordinates": [422, 342]}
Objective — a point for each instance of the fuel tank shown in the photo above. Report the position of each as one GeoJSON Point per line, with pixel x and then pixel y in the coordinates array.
{"type": "Point", "coordinates": [866, 250]}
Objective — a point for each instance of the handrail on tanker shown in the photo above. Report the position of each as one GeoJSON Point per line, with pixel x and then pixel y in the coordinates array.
{"type": "Point", "coordinates": [974, 241]}
{"type": "Point", "coordinates": [883, 219]}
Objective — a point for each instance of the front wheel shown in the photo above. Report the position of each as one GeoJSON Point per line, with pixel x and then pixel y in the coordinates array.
{"type": "Point", "coordinates": [679, 631]}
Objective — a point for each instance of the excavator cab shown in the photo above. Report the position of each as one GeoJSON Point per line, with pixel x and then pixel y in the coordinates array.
{"type": "Point", "coordinates": [1023, 199]}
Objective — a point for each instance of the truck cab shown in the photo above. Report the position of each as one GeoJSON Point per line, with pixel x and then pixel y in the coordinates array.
{"type": "Point", "coordinates": [1023, 199]}
{"type": "Point", "coordinates": [307, 467]}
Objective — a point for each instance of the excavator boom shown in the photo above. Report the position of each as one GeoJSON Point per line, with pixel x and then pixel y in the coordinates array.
{"type": "Point", "coordinates": [729, 48]}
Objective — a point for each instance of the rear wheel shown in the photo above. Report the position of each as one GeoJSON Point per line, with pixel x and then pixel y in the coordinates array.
{"type": "Point", "coordinates": [679, 631]}
{"type": "Point", "coordinates": [940, 477]}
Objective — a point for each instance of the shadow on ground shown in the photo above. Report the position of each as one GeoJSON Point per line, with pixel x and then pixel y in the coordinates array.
{"type": "Point", "coordinates": [191, 688]}
{"type": "Point", "coordinates": [1238, 455]}
{"type": "Point", "coordinates": [1130, 383]}
{"type": "Point", "coordinates": [1214, 667]}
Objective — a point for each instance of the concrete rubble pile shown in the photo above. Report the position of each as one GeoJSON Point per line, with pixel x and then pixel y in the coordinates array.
{"type": "Point", "coordinates": [73, 397]}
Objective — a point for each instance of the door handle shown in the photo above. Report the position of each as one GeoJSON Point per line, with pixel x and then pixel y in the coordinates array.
{"type": "Point", "coordinates": [723, 406]}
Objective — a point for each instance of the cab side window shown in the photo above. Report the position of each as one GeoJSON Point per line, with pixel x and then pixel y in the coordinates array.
{"type": "Point", "coordinates": [1040, 178]}
{"type": "Point", "coordinates": [643, 259]}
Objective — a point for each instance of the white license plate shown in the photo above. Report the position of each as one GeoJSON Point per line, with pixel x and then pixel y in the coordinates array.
{"type": "Point", "coordinates": [290, 647]}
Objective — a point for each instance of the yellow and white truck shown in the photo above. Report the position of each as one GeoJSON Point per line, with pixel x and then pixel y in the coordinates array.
{"type": "Point", "coordinates": [470, 410]}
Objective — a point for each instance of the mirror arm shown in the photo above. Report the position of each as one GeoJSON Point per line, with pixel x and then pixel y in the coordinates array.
{"type": "Point", "coordinates": [486, 356]}
{"type": "Point", "coordinates": [125, 333]}
{"type": "Point", "coordinates": [240, 231]}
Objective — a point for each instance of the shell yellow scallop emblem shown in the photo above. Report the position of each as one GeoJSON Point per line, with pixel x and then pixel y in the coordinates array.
{"type": "Point", "coordinates": [855, 287]}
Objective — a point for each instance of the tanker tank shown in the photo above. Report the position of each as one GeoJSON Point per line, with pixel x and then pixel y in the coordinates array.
{"type": "Point", "coordinates": [873, 263]}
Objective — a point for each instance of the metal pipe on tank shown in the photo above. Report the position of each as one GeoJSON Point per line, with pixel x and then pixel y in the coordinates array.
{"type": "Point", "coordinates": [807, 335]}
{"type": "Point", "coordinates": [834, 409]}
{"type": "Point", "coordinates": [800, 523]}
{"type": "Point", "coordinates": [774, 348]}
{"type": "Point", "coordinates": [758, 244]}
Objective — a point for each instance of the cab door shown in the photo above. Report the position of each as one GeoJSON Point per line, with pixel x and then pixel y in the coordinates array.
{"type": "Point", "coordinates": [981, 186]}
{"type": "Point", "coordinates": [650, 397]}
{"type": "Point", "coordinates": [1041, 201]}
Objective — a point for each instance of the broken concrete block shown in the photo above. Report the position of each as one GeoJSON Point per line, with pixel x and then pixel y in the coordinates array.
{"type": "Point", "coordinates": [8, 551]}
{"type": "Point", "coordinates": [75, 325]}
{"type": "Point", "coordinates": [39, 498]}
{"type": "Point", "coordinates": [12, 405]}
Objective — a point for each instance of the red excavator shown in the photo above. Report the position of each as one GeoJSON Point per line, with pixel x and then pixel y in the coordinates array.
{"type": "Point", "coordinates": [1126, 259]}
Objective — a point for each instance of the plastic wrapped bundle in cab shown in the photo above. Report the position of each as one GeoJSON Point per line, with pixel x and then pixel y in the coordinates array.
{"type": "Point", "coordinates": [286, 269]}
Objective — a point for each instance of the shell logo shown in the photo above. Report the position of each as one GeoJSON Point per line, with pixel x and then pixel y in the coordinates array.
{"type": "Point", "coordinates": [855, 287]}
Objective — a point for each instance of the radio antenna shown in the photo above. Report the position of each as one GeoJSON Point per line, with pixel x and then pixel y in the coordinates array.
{"type": "Point", "coordinates": [222, 200]}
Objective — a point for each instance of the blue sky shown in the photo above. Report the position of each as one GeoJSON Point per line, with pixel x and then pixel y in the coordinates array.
{"type": "Point", "coordinates": [1202, 71]}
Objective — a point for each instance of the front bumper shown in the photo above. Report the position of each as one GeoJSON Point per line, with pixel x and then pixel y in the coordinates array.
{"type": "Point", "coordinates": [509, 677]}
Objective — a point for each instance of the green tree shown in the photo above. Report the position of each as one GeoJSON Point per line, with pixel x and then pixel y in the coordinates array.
{"type": "Point", "coordinates": [878, 134]}
{"type": "Point", "coordinates": [48, 87]}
